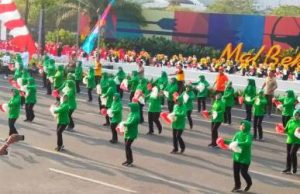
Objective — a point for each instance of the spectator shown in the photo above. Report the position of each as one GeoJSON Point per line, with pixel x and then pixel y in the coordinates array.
{"type": "Point", "coordinates": [5, 61]}
{"type": "Point", "coordinates": [221, 81]}
{"type": "Point", "coordinates": [269, 88]}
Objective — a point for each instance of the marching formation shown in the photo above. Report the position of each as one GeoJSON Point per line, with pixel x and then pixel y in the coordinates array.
{"type": "Point", "coordinates": [150, 96]}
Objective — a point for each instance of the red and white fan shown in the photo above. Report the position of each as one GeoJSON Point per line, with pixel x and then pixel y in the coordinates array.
{"type": "Point", "coordinates": [121, 128]}
{"type": "Point", "coordinates": [4, 107]}
{"type": "Point", "coordinates": [124, 85]}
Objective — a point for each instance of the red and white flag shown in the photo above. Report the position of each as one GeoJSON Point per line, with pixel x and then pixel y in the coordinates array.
{"type": "Point", "coordinates": [10, 16]}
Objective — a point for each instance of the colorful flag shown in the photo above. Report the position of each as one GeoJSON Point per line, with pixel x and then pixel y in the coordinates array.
{"type": "Point", "coordinates": [90, 42]}
{"type": "Point", "coordinates": [13, 21]}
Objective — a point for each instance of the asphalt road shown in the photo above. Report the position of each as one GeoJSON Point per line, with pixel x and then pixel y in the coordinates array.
{"type": "Point", "coordinates": [90, 164]}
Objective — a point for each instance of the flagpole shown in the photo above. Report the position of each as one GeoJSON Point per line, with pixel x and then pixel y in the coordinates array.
{"type": "Point", "coordinates": [99, 34]}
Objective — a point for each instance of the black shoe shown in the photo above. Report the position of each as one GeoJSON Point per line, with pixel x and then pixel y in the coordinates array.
{"type": "Point", "coordinates": [159, 131]}
{"type": "Point", "coordinates": [212, 145]}
{"type": "Point", "coordinates": [106, 124]}
{"type": "Point", "coordinates": [125, 163]}
{"type": "Point", "coordinates": [236, 189]}
{"type": "Point", "coordinates": [294, 171]}
{"type": "Point", "coordinates": [113, 141]}
{"type": "Point", "coordinates": [26, 120]}
{"type": "Point", "coordinates": [58, 149]}
{"type": "Point", "coordinates": [174, 152]}
{"type": "Point", "coordinates": [247, 188]}
{"type": "Point", "coordinates": [182, 150]}
{"type": "Point", "coordinates": [286, 171]}
{"type": "Point", "coordinates": [149, 133]}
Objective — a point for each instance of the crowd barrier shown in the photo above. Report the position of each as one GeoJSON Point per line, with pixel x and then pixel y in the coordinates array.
{"type": "Point", "coordinates": [238, 81]}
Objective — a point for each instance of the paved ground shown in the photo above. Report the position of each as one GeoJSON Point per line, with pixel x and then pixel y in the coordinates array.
{"type": "Point", "coordinates": [90, 164]}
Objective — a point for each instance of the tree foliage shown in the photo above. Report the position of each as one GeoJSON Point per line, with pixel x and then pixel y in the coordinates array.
{"type": "Point", "coordinates": [287, 10]}
{"type": "Point", "coordinates": [232, 6]}
{"type": "Point", "coordinates": [61, 35]}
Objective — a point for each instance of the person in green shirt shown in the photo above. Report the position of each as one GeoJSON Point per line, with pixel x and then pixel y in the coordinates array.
{"type": "Point", "coordinates": [228, 99]}
{"type": "Point", "coordinates": [292, 143]}
{"type": "Point", "coordinates": [50, 71]}
{"type": "Point", "coordinates": [133, 83]}
{"type": "Point", "coordinates": [24, 81]}
{"type": "Point", "coordinates": [18, 67]}
{"type": "Point", "coordinates": [131, 132]}
{"type": "Point", "coordinates": [45, 63]}
{"type": "Point", "coordinates": [116, 117]}
{"type": "Point", "coordinates": [154, 109]}
{"type": "Point", "coordinates": [242, 159]}
{"type": "Point", "coordinates": [109, 95]}
{"type": "Point", "coordinates": [63, 121]}
{"type": "Point", "coordinates": [58, 79]}
{"type": "Point", "coordinates": [259, 106]}
{"type": "Point", "coordinates": [288, 106]}
{"type": "Point", "coordinates": [142, 86]}
{"type": "Point", "coordinates": [171, 88]}
{"type": "Point", "coordinates": [188, 97]}
{"type": "Point", "coordinates": [78, 75]}
{"type": "Point", "coordinates": [120, 76]}
{"type": "Point", "coordinates": [202, 92]}
{"type": "Point", "coordinates": [162, 83]}
{"type": "Point", "coordinates": [70, 91]}
{"type": "Point", "coordinates": [217, 117]}
{"type": "Point", "coordinates": [178, 125]}
{"type": "Point", "coordinates": [30, 99]}
{"type": "Point", "coordinates": [90, 83]}
{"type": "Point", "coordinates": [248, 94]}
{"type": "Point", "coordinates": [104, 85]}
{"type": "Point", "coordinates": [14, 106]}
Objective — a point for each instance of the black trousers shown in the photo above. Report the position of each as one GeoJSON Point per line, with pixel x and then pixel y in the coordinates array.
{"type": "Point", "coordinates": [97, 79]}
{"type": "Point", "coordinates": [12, 128]}
{"type": "Point", "coordinates": [170, 106]}
{"type": "Point", "coordinates": [120, 91]}
{"type": "Point", "coordinates": [243, 169]}
{"type": "Point", "coordinates": [128, 151]}
{"type": "Point", "coordinates": [201, 101]}
{"type": "Point", "coordinates": [291, 156]}
{"type": "Point", "coordinates": [113, 127]}
{"type": "Point", "coordinates": [153, 117]}
{"type": "Point", "coordinates": [44, 77]}
{"type": "Point", "coordinates": [214, 132]}
{"type": "Point", "coordinates": [141, 113]}
{"type": "Point", "coordinates": [257, 125]}
{"type": "Point", "coordinates": [22, 100]}
{"type": "Point", "coordinates": [48, 85]}
{"type": "Point", "coordinates": [180, 86]}
{"type": "Point", "coordinates": [77, 86]}
{"type": "Point", "coordinates": [177, 138]}
{"type": "Point", "coordinates": [131, 96]}
{"type": "Point", "coordinates": [99, 102]}
{"type": "Point", "coordinates": [227, 115]}
{"type": "Point", "coordinates": [29, 112]}
{"type": "Point", "coordinates": [269, 104]}
{"type": "Point", "coordinates": [189, 116]}
{"type": "Point", "coordinates": [248, 112]}
{"type": "Point", "coordinates": [285, 119]}
{"type": "Point", "coordinates": [71, 124]}
{"type": "Point", "coordinates": [60, 129]}
{"type": "Point", "coordinates": [90, 94]}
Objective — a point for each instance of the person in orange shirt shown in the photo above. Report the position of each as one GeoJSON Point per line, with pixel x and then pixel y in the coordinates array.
{"type": "Point", "coordinates": [221, 81]}
{"type": "Point", "coordinates": [180, 78]}
{"type": "Point", "coordinates": [98, 70]}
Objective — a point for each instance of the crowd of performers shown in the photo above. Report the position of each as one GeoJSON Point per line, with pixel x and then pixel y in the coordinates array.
{"type": "Point", "coordinates": [179, 96]}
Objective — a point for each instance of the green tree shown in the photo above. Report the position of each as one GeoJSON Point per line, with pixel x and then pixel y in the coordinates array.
{"type": "Point", "coordinates": [61, 35]}
{"type": "Point", "coordinates": [232, 6]}
{"type": "Point", "coordinates": [93, 8]}
{"type": "Point", "coordinates": [286, 10]}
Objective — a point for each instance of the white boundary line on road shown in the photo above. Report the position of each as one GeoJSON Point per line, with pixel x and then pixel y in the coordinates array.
{"type": "Point", "coordinates": [276, 177]}
{"type": "Point", "coordinates": [91, 180]}
{"type": "Point", "coordinates": [131, 170]}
